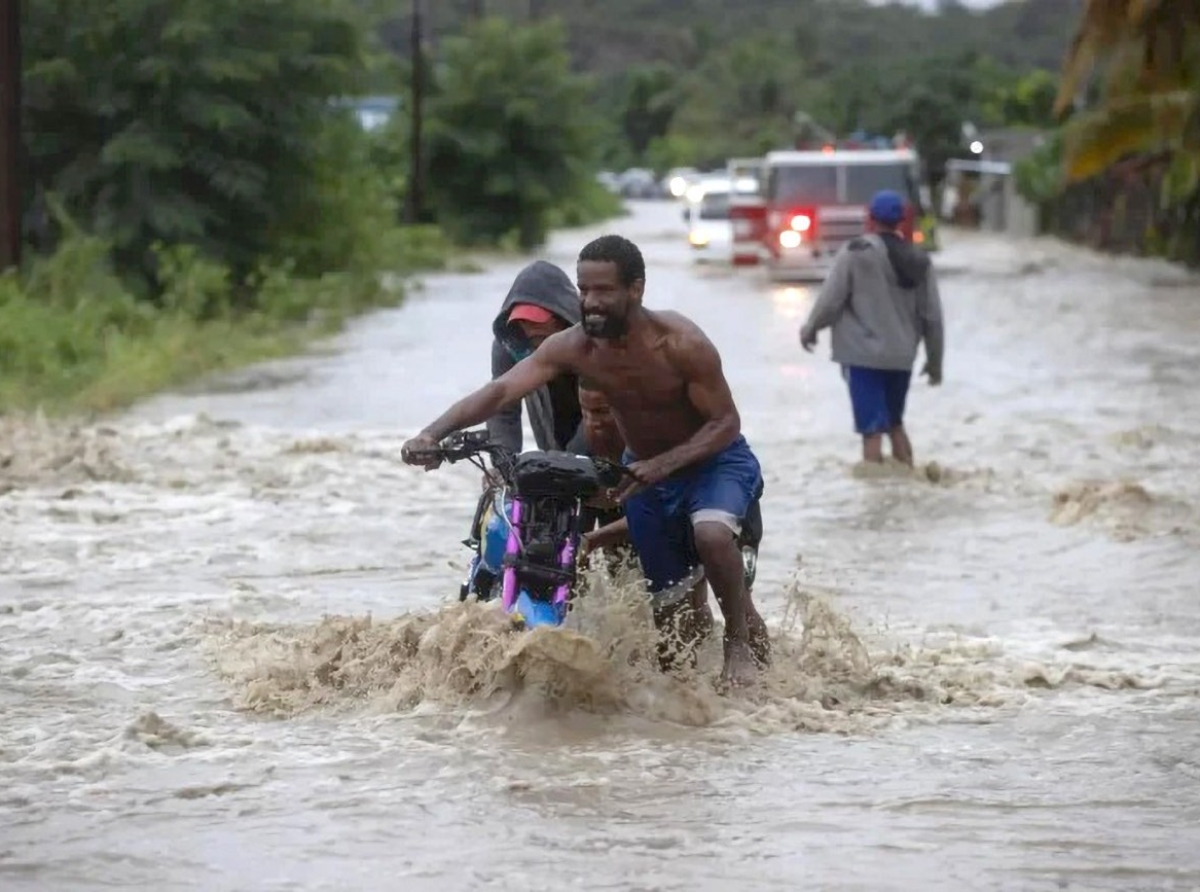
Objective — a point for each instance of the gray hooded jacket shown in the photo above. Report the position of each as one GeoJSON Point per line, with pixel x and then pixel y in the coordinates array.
{"type": "Point", "coordinates": [881, 299]}
{"type": "Point", "coordinates": [554, 413]}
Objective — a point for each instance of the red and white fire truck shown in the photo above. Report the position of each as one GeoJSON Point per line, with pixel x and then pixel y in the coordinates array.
{"type": "Point", "coordinates": [811, 202]}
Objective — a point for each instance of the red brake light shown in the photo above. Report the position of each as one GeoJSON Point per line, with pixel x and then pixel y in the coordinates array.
{"type": "Point", "coordinates": [796, 226]}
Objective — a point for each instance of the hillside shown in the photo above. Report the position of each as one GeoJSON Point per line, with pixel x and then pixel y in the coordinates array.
{"type": "Point", "coordinates": [607, 36]}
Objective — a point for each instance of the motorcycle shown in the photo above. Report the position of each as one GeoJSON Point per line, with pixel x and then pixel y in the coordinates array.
{"type": "Point", "coordinates": [526, 530]}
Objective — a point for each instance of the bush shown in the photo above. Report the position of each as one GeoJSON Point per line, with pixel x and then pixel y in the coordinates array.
{"type": "Point", "coordinates": [412, 248]}
{"type": "Point", "coordinates": [593, 204]}
{"type": "Point", "coordinates": [344, 220]}
{"type": "Point", "coordinates": [1038, 177]}
{"type": "Point", "coordinates": [72, 336]}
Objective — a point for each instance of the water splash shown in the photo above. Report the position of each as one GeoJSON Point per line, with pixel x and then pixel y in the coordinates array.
{"type": "Point", "coordinates": [825, 676]}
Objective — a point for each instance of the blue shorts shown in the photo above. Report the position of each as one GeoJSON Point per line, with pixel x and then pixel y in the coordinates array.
{"type": "Point", "coordinates": [878, 397]}
{"type": "Point", "coordinates": [720, 489]}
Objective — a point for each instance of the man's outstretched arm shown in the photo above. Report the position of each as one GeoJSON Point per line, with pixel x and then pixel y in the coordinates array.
{"type": "Point", "coordinates": [547, 362]}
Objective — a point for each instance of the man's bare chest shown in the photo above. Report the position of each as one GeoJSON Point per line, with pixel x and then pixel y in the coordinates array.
{"type": "Point", "coordinates": [636, 381]}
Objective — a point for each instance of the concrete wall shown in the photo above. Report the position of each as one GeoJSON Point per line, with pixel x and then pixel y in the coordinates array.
{"type": "Point", "coordinates": [1023, 219]}
{"type": "Point", "coordinates": [1002, 209]}
{"type": "Point", "coordinates": [993, 212]}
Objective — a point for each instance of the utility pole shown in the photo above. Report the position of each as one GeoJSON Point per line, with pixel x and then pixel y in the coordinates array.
{"type": "Point", "coordinates": [412, 210]}
{"type": "Point", "coordinates": [10, 133]}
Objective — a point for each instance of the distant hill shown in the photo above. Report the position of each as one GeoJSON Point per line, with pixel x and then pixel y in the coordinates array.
{"type": "Point", "coordinates": [607, 36]}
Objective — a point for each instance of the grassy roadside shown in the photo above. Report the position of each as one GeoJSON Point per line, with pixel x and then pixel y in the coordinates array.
{"type": "Point", "coordinates": [75, 340]}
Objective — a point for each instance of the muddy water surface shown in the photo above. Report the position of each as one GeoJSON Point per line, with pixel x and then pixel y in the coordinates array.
{"type": "Point", "coordinates": [230, 656]}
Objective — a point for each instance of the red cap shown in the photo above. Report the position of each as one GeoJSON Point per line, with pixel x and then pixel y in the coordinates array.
{"type": "Point", "coordinates": [529, 313]}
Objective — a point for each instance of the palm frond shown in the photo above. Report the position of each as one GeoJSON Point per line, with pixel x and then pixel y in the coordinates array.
{"type": "Point", "coordinates": [1095, 140]}
{"type": "Point", "coordinates": [1147, 42]}
{"type": "Point", "coordinates": [1102, 27]}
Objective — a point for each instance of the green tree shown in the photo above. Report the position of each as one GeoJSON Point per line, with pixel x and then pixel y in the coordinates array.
{"type": "Point", "coordinates": [1038, 176]}
{"type": "Point", "coordinates": [742, 99]}
{"type": "Point", "coordinates": [509, 133]}
{"type": "Point", "coordinates": [1034, 99]}
{"type": "Point", "coordinates": [338, 220]}
{"type": "Point", "coordinates": [184, 121]}
{"type": "Point", "coordinates": [935, 125]}
{"type": "Point", "coordinates": [651, 100]}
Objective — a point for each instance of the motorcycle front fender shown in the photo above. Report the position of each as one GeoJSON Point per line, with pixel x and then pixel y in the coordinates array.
{"type": "Point", "coordinates": [537, 613]}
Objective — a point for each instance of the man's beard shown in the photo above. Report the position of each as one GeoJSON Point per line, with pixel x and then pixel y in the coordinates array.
{"type": "Point", "coordinates": [605, 325]}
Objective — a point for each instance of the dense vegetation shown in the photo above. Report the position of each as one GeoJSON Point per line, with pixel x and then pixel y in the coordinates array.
{"type": "Point", "coordinates": [197, 194]}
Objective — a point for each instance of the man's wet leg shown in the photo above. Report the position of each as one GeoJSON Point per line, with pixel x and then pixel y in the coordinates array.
{"type": "Point", "coordinates": [722, 560]}
{"type": "Point", "coordinates": [872, 448]}
{"type": "Point", "coordinates": [671, 653]}
{"type": "Point", "coordinates": [760, 640]}
{"type": "Point", "coordinates": [659, 540]}
{"type": "Point", "coordinates": [901, 447]}
{"type": "Point", "coordinates": [683, 629]}
{"type": "Point", "coordinates": [750, 536]}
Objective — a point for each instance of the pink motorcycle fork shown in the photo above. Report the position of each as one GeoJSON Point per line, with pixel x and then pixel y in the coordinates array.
{"type": "Point", "coordinates": [508, 596]}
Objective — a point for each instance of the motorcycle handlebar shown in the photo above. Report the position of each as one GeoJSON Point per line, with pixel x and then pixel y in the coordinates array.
{"type": "Point", "coordinates": [466, 444]}
{"type": "Point", "coordinates": [456, 447]}
{"type": "Point", "coordinates": [611, 472]}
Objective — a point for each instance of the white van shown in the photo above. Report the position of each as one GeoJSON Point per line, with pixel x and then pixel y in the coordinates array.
{"type": "Point", "coordinates": [706, 212]}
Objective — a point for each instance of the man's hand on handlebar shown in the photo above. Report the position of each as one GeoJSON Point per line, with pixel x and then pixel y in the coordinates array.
{"type": "Point", "coordinates": [642, 475]}
{"type": "Point", "coordinates": [613, 476]}
{"type": "Point", "coordinates": [422, 450]}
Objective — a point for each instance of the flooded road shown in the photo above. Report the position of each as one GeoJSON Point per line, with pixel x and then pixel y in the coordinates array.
{"type": "Point", "coordinates": [231, 657]}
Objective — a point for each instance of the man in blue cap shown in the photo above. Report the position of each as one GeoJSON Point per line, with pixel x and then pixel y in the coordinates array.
{"type": "Point", "coordinates": [881, 301]}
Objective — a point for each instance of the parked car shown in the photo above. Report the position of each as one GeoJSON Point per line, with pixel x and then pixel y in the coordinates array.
{"type": "Point", "coordinates": [638, 182]}
{"type": "Point", "coordinates": [677, 180]}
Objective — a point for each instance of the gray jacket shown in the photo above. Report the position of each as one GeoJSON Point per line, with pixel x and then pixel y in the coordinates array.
{"type": "Point", "coordinates": [554, 413]}
{"type": "Point", "coordinates": [881, 299]}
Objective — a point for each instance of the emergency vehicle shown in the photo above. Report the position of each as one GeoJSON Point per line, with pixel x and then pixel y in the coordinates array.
{"type": "Point", "coordinates": [811, 202]}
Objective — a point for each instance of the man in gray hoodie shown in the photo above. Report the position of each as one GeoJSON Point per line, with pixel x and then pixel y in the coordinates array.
{"type": "Point", "coordinates": [542, 301]}
{"type": "Point", "coordinates": [881, 300]}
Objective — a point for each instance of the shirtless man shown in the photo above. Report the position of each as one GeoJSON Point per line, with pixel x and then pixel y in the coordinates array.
{"type": "Point", "coordinates": [694, 476]}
